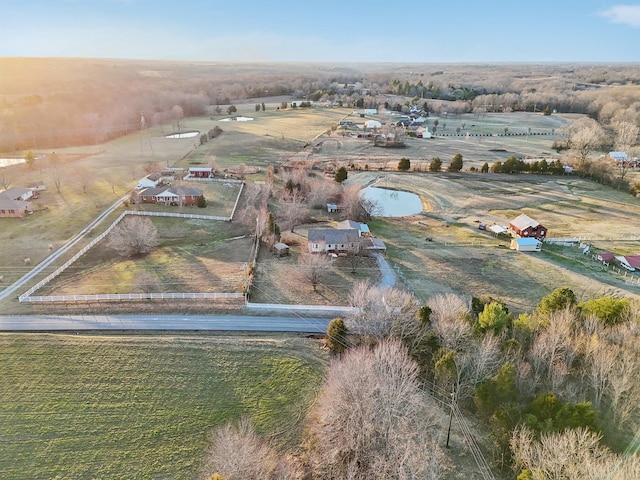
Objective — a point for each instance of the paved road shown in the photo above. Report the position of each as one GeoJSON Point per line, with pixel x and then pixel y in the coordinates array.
{"type": "Point", "coordinates": [61, 251]}
{"type": "Point", "coordinates": [162, 322]}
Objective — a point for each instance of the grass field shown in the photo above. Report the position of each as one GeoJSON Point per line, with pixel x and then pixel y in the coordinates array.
{"type": "Point", "coordinates": [143, 406]}
{"type": "Point", "coordinates": [462, 259]}
{"type": "Point", "coordinates": [192, 256]}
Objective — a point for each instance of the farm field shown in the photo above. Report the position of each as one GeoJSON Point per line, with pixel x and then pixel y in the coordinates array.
{"type": "Point", "coordinates": [458, 257]}
{"type": "Point", "coordinates": [143, 406]}
{"type": "Point", "coordinates": [192, 256]}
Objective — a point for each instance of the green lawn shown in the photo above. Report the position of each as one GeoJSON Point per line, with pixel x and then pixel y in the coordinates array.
{"type": "Point", "coordinates": [142, 406]}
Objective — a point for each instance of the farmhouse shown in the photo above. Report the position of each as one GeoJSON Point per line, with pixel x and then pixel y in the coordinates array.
{"type": "Point", "coordinates": [13, 204]}
{"type": "Point", "coordinates": [526, 244]}
{"type": "Point", "coordinates": [329, 240]}
{"type": "Point", "coordinates": [524, 226]}
{"type": "Point", "coordinates": [168, 196]}
{"type": "Point", "coordinates": [621, 158]}
{"type": "Point", "coordinates": [362, 228]}
{"type": "Point", "coordinates": [200, 172]}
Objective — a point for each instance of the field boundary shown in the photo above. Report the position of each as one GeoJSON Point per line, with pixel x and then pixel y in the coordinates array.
{"type": "Point", "coordinates": [26, 297]}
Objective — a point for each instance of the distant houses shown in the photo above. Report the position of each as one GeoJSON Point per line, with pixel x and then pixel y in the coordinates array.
{"type": "Point", "coordinates": [200, 172]}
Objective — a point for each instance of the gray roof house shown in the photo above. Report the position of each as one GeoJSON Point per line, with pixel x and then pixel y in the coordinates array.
{"type": "Point", "coordinates": [326, 240]}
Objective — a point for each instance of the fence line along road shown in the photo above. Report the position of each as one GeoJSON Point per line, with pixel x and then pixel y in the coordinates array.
{"type": "Point", "coordinates": [132, 296]}
{"type": "Point", "coordinates": [26, 295]}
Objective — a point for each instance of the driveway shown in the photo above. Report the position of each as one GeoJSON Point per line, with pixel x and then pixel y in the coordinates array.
{"type": "Point", "coordinates": [388, 276]}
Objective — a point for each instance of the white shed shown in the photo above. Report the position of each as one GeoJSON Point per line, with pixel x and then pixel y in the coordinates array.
{"type": "Point", "coordinates": [529, 244]}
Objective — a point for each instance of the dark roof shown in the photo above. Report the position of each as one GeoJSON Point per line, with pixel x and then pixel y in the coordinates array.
{"type": "Point", "coordinates": [333, 236]}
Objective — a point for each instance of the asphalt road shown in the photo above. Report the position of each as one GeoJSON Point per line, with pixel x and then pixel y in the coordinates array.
{"type": "Point", "coordinates": [162, 322]}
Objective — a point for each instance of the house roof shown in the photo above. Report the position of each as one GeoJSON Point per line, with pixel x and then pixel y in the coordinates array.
{"type": "Point", "coordinates": [17, 192]}
{"type": "Point", "coordinates": [633, 260]}
{"type": "Point", "coordinates": [605, 256]}
{"type": "Point", "coordinates": [8, 203]}
{"type": "Point", "coordinates": [281, 246]}
{"type": "Point", "coordinates": [618, 155]}
{"type": "Point", "coordinates": [498, 229]}
{"type": "Point", "coordinates": [363, 227]}
{"type": "Point", "coordinates": [332, 236]}
{"type": "Point", "coordinates": [170, 191]}
{"type": "Point", "coordinates": [523, 221]}
{"type": "Point", "coordinates": [525, 242]}
{"type": "Point", "coordinates": [154, 177]}
{"type": "Point", "coordinates": [200, 169]}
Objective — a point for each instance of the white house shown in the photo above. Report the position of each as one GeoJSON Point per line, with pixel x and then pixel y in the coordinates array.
{"type": "Point", "coordinates": [150, 181]}
{"type": "Point", "coordinates": [526, 244]}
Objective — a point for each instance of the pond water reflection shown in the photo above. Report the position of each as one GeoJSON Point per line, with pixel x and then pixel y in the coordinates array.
{"type": "Point", "coordinates": [392, 203]}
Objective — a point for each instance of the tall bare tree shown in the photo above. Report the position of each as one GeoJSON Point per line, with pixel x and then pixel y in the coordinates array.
{"type": "Point", "coordinates": [585, 136]}
{"type": "Point", "coordinates": [312, 267]}
{"type": "Point", "coordinates": [238, 453]}
{"type": "Point", "coordinates": [133, 236]}
{"type": "Point", "coordinates": [372, 420]}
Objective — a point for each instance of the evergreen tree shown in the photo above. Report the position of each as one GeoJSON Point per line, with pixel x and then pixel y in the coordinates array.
{"type": "Point", "coordinates": [456, 163]}
{"type": "Point", "coordinates": [341, 175]}
{"type": "Point", "coordinates": [337, 336]}
{"type": "Point", "coordinates": [435, 165]}
{"type": "Point", "coordinates": [202, 202]}
{"type": "Point", "coordinates": [404, 164]}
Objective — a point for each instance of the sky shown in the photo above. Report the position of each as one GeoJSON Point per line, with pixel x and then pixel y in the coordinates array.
{"type": "Point", "coordinates": [411, 31]}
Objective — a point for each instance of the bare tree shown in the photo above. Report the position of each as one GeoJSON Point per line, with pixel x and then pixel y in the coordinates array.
{"type": "Point", "coordinates": [238, 453]}
{"type": "Point", "coordinates": [574, 454]}
{"type": "Point", "coordinates": [5, 179]}
{"type": "Point", "coordinates": [177, 114]}
{"type": "Point", "coordinates": [292, 209]}
{"type": "Point", "coordinates": [133, 236]}
{"type": "Point", "coordinates": [56, 176]}
{"type": "Point", "coordinates": [448, 313]}
{"type": "Point", "coordinates": [626, 137]}
{"type": "Point", "coordinates": [356, 208]}
{"type": "Point", "coordinates": [378, 309]}
{"type": "Point", "coordinates": [84, 177]}
{"type": "Point", "coordinates": [312, 267]}
{"type": "Point", "coordinates": [372, 420]}
{"type": "Point", "coordinates": [585, 136]}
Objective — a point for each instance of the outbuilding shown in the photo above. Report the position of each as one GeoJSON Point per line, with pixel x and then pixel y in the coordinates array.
{"type": "Point", "coordinates": [524, 226]}
{"type": "Point", "coordinates": [526, 245]}
{"type": "Point", "coordinates": [281, 249]}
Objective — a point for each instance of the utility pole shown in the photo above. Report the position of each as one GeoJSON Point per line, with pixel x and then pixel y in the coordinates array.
{"type": "Point", "coordinates": [453, 400]}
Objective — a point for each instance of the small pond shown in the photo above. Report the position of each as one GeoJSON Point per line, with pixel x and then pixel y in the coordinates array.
{"type": "Point", "coordinates": [393, 203]}
{"type": "Point", "coordinates": [236, 119]}
{"type": "Point", "coordinates": [5, 162]}
{"type": "Point", "coordinates": [183, 135]}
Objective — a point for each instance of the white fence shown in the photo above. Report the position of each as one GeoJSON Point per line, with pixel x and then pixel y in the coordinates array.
{"type": "Point", "coordinates": [26, 296]}
{"type": "Point", "coordinates": [132, 296]}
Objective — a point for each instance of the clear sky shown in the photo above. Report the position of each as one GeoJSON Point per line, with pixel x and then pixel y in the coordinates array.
{"type": "Point", "coordinates": [325, 30]}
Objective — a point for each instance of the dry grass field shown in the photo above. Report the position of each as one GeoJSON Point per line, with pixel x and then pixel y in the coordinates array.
{"type": "Point", "coordinates": [452, 203]}
{"type": "Point", "coordinates": [461, 258]}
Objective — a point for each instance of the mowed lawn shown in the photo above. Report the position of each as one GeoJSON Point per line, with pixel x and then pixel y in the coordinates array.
{"type": "Point", "coordinates": [143, 406]}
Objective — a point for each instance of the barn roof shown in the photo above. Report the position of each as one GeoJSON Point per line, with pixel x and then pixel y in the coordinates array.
{"type": "Point", "coordinates": [524, 221]}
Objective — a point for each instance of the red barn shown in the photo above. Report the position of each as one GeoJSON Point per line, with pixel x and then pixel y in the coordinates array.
{"type": "Point", "coordinates": [526, 227]}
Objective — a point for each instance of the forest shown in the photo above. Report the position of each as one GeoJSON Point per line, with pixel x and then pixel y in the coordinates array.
{"type": "Point", "coordinates": [50, 103]}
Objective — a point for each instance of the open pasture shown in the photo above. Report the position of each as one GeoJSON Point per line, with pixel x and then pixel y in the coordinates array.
{"type": "Point", "coordinates": [143, 406]}
{"type": "Point", "coordinates": [442, 249]}
{"type": "Point", "coordinates": [192, 256]}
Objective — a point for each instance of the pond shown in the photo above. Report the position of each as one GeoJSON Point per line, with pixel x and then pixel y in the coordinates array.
{"type": "Point", "coordinates": [392, 203]}
{"type": "Point", "coordinates": [183, 135]}
{"type": "Point", "coordinates": [5, 162]}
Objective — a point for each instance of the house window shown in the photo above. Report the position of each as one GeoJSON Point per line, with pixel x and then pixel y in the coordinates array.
{"type": "Point", "coordinates": [12, 211]}
{"type": "Point", "coordinates": [2, 211]}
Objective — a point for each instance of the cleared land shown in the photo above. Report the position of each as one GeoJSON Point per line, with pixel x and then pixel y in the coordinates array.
{"type": "Point", "coordinates": [143, 406]}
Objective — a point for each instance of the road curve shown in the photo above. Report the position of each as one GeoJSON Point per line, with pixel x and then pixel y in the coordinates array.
{"type": "Point", "coordinates": [47, 323]}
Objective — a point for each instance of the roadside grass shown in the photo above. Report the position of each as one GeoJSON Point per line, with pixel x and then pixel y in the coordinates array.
{"type": "Point", "coordinates": [143, 406]}
{"type": "Point", "coordinates": [192, 256]}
